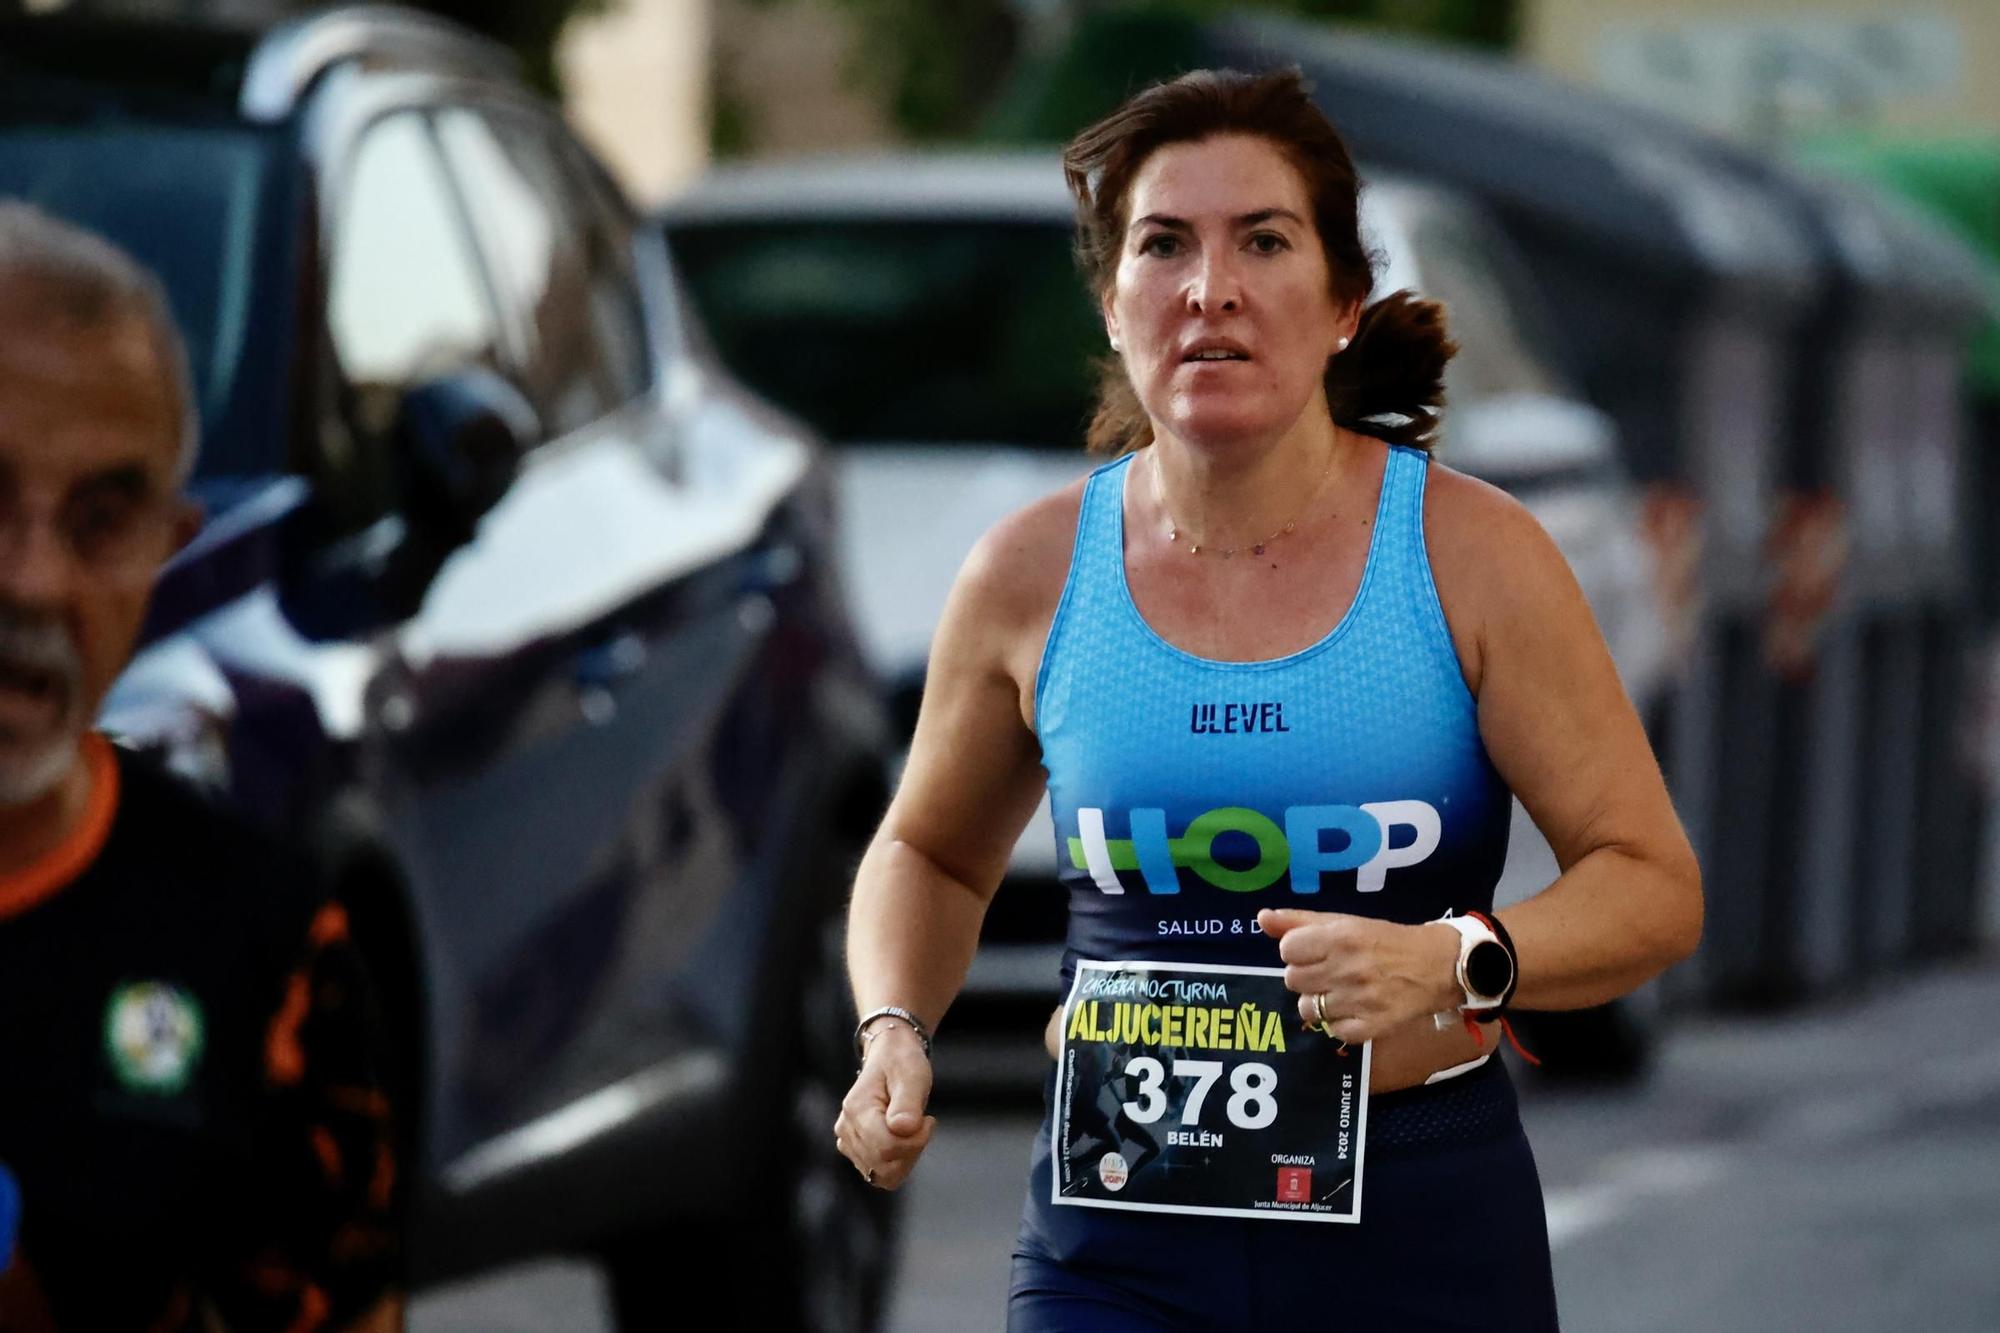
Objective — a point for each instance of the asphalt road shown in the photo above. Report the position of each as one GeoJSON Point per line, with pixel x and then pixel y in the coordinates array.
{"type": "Point", "coordinates": [1836, 1170]}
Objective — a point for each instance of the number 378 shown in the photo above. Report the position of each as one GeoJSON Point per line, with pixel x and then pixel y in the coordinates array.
{"type": "Point", "coordinates": [1251, 1103]}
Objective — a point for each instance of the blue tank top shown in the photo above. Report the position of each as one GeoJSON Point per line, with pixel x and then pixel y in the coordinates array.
{"type": "Point", "coordinates": [1190, 793]}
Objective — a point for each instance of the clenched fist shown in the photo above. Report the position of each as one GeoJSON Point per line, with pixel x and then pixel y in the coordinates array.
{"type": "Point", "coordinates": [1371, 976]}
{"type": "Point", "coordinates": [882, 1128]}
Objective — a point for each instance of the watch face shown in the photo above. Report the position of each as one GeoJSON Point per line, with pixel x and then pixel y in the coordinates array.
{"type": "Point", "coordinates": [1488, 970]}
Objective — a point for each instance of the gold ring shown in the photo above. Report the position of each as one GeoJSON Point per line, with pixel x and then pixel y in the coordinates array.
{"type": "Point", "coordinates": [1319, 1011]}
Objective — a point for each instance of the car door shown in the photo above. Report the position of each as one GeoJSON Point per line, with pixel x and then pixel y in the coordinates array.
{"type": "Point", "coordinates": [409, 297]}
{"type": "Point", "coordinates": [565, 683]}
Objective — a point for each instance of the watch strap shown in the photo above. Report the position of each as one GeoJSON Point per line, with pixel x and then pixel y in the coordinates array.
{"type": "Point", "coordinates": [1471, 934]}
{"type": "Point", "coordinates": [1499, 930]}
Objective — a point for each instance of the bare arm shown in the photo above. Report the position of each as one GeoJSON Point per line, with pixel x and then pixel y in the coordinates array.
{"type": "Point", "coordinates": [972, 780]}
{"type": "Point", "coordinates": [1557, 725]}
{"type": "Point", "coordinates": [973, 777]}
{"type": "Point", "coordinates": [1565, 738]}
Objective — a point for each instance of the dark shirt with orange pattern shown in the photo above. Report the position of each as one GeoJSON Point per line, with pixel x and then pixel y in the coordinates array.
{"type": "Point", "coordinates": [188, 1074]}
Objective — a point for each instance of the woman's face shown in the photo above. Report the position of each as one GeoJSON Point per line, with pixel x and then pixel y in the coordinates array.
{"type": "Point", "coordinates": [1221, 303]}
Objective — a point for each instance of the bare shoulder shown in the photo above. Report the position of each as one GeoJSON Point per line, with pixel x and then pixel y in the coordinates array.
{"type": "Point", "coordinates": [1494, 564]}
{"type": "Point", "coordinates": [1475, 529]}
{"type": "Point", "coordinates": [1006, 593]}
{"type": "Point", "coordinates": [1019, 565]}
{"type": "Point", "coordinates": [974, 771]}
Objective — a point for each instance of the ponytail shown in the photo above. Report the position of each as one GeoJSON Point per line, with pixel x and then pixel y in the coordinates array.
{"type": "Point", "coordinates": [1394, 368]}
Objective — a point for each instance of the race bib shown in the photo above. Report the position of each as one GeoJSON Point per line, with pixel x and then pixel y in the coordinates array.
{"type": "Point", "coordinates": [1190, 1088]}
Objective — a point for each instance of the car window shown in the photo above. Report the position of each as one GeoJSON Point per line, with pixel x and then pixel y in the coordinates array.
{"type": "Point", "coordinates": [203, 206]}
{"type": "Point", "coordinates": [939, 331]}
{"type": "Point", "coordinates": [1495, 355]}
{"type": "Point", "coordinates": [606, 227]}
{"type": "Point", "coordinates": [406, 298]}
{"type": "Point", "coordinates": [534, 238]}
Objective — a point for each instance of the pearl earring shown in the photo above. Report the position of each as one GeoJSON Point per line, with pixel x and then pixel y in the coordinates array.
{"type": "Point", "coordinates": [1341, 346]}
{"type": "Point", "coordinates": [1115, 347]}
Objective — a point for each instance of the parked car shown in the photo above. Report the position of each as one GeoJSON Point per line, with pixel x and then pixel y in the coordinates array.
{"type": "Point", "coordinates": [923, 312]}
{"type": "Point", "coordinates": [520, 611]}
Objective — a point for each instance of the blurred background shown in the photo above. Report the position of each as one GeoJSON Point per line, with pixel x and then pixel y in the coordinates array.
{"type": "Point", "coordinates": [601, 395]}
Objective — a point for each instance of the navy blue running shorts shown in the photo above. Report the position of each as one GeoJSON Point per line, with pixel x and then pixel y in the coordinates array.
{"type": "Point", "coordinates": [1452, 1237]}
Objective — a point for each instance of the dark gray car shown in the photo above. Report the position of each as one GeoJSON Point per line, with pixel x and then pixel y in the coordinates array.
{"type": "Point", "coordinates": [522, 613]}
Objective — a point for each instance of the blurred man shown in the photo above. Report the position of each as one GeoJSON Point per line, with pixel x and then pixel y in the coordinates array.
{"type": "Point", "coordinates": [187, 1095]}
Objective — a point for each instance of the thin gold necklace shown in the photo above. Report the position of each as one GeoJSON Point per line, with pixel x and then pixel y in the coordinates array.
{"type": "Point", "coordinates": [1256, 548]}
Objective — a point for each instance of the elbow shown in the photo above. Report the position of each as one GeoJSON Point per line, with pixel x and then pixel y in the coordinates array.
{"type": "Point", "coordinates": [1683, 936]}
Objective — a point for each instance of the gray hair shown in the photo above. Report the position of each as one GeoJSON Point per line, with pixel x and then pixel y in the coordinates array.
{"type": "Point", "coordinates": [95, 283]}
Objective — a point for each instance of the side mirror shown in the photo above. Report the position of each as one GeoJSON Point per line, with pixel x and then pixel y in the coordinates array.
{"type": "Point", "coordinates": [460, 439]}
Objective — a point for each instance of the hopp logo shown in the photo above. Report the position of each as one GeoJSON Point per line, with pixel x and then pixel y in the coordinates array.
{"type": "Point", "coordinates": [1361, 836]}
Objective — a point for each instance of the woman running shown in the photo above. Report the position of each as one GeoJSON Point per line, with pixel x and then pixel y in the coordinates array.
{"type": "Point", "coordinates": [1280, 673]}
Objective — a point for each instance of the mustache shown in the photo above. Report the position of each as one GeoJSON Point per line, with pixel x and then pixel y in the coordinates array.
{"type": "Point", "coordinates": [39, 643]}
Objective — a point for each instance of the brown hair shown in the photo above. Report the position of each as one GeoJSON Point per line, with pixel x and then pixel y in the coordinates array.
{"type": "Point", "coordinates": [1395, 366]}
